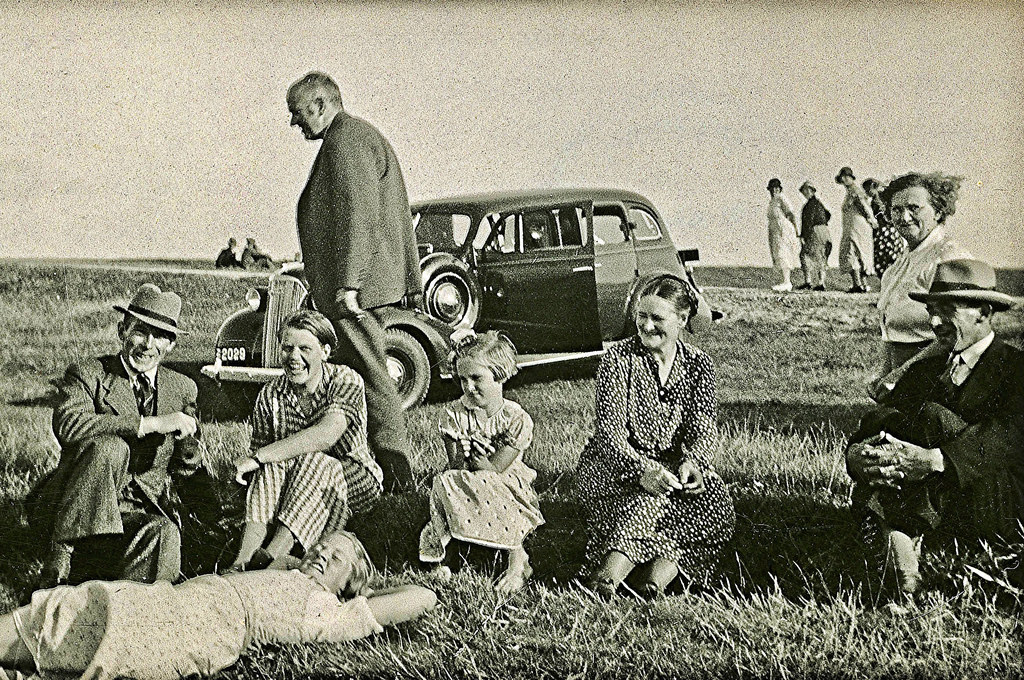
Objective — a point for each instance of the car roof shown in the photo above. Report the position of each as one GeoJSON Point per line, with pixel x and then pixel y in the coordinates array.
{"type": "Point", "coordinates": [500, 201]}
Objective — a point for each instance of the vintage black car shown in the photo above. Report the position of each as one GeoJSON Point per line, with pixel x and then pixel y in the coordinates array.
{"type": "Point", "coordinates": [557, 270]}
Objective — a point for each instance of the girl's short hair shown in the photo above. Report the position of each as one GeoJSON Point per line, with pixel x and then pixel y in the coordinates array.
{"type": "Point", "coordinates": [680, 295]}
{"type": "Point", "coordinates": [363, 570]}
{"type": "Point", "coordinates": [492, 349]}
{"type": "Point", "coordinates": [314, 322]}
{"type": "Point", "coordinates": [943, 191]}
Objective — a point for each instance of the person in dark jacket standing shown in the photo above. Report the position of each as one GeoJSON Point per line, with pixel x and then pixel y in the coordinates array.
{"type": "Point", "coordinates": [359, 249]}
{"type": "Point", "coordinates": [815, 239]}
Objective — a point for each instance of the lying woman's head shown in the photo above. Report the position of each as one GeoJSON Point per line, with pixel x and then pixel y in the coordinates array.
{"type": "Point", "coordinates": [339, 563]}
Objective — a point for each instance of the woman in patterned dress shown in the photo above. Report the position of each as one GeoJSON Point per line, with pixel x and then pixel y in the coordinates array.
{"type": "Point", "coordinates": [653, 500]}
{"type": "Point", "coordinates": [888, 244]}
{"type": "Point", "coordinates": [313, 468]}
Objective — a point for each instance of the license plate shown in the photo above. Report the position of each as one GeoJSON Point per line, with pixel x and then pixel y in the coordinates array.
{"type": "Point", "coordinates": [233, 354]}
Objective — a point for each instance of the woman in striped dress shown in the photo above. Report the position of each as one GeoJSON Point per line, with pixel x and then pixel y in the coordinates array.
{"type": "Point", "coordinates": [309, 452]}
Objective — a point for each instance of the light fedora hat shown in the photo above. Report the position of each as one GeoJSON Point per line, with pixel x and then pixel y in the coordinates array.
{"type": "Point", "coordinates": [156, 308]}
{"type": "Point", "coordinates": [965, 281]}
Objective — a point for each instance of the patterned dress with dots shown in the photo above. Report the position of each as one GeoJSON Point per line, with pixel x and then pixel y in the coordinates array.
{"type": "Point", "coordinates": [888, 242]}
{"type": "Point", "coordinates": [642, 424]}
{"type": "Point", "coordinates": [488, 508]}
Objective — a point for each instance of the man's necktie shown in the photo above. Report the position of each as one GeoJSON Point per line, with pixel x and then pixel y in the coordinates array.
{"type": "Point", "coordinates": [956, 370]}
{"type": "Point", "coordinates": [144, 394]}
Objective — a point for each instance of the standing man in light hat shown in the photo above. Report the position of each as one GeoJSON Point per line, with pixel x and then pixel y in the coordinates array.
{"type": "Point", "coordinates": [945, 449]}
{"type": "Point", "coordinates": [127, 428]}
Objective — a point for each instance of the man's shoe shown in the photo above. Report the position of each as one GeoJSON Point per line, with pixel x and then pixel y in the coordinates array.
{"type": "Point", "coordinates": [819, 288]}
{"type": "Point", "coordinates": [57, 567]}
{"type": "Point", "coordinates": [803, 286]}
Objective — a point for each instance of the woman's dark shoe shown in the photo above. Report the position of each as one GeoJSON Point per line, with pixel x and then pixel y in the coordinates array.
{"type": "Point", "coordinates": [260, 559]}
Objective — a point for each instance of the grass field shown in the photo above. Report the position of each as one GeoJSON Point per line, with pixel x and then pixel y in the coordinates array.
{"type": "Point", "coordinates": [793, 600]}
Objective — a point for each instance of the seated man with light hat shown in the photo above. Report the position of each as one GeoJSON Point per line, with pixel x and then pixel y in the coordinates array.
{"type": "Point", "coordinates": [126, 426]}
{"type": "Point", "coordinates": [945, 448]}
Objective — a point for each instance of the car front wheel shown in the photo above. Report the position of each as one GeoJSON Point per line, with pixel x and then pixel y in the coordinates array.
{"type": "Point", "coordinates": [408, 365]}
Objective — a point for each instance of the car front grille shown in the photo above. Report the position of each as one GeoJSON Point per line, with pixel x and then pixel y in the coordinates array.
{"type": "Point", "coordinates": [284, 296]}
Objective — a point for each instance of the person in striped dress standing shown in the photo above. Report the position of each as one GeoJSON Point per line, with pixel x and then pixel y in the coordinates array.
{"type": "Point", "coordinates": [313, 469]}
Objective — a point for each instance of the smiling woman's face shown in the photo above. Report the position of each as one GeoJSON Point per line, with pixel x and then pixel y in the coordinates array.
{"type": "Point", "coordinates": [912, 214]}
{"type": "Point", "coordinates": [330, 562]}
{"type": "Point", "coordinates": [657, 323]}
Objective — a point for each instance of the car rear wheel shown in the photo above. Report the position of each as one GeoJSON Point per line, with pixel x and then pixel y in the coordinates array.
{"type": "Point", "coordinates": [408, 365]}
{"type": "Point", "coordinates": [451, 291]}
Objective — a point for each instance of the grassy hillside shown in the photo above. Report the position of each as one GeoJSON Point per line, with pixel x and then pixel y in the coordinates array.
{"type": "Point", "coordinates": [794, 598]}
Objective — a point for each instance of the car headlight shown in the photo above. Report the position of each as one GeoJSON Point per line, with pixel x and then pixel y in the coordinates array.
{"type": "Point", "coordinates": [252, 298]}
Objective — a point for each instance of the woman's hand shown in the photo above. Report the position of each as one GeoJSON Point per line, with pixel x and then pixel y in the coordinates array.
{"type": "Point", "coordinates": [691, 479]}
{"type": "Point", "coordinates": [244, 466]}
{"type": "Point", "coordinates": [658, 481]}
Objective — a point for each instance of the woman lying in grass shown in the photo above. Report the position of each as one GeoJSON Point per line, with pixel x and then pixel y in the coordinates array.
{"type": "Point", "coordinates": [154, 631]}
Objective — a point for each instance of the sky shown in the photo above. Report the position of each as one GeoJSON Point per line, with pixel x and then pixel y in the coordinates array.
{"type": "Point", "coordinates": [161, 130]}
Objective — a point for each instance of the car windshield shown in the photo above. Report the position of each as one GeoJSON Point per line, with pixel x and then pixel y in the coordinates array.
{"type": "Point", "coordinates": [441, 231]}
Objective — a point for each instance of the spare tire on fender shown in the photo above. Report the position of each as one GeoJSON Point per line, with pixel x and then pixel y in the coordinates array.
{"type": "Point", "coordinates": [451, 291]}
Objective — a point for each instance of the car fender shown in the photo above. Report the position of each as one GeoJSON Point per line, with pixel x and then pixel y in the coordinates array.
{"type": "Point", "coordinates": [431, 333]}
{"type": "Point", "coordinates": [243, 328]}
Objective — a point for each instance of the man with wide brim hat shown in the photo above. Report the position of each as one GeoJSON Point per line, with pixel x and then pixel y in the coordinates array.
{"type": "Point", "coordinates": [945, 449]}
{"type": "Point", "coordinates": [126, 424]}
{"type": "Point", "coordinates": [968, 282]}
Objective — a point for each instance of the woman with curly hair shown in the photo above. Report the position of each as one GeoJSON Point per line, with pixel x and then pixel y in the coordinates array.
{"type": "Point", "coordinates": [918, 206]}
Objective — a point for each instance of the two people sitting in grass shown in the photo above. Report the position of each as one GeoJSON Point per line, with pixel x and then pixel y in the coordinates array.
{"type": "Point", "coordinates": [102, 630]}
{"type": "Point", "coordinates": [943, 453]}
{"type": "Point", "coordinates": [486, 496]}
{"type": "Point", "coordinates": [311, 467]}
{"type": "Point", "coordinates": [656, 509]}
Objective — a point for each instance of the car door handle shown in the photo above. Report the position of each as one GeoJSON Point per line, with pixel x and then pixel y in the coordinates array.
{"type": "Point", "coordinates": [583, 268]}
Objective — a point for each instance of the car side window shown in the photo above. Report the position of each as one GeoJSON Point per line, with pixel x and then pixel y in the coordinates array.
{"type": "Point", "coordinates": [444, 232]}
{"type": "Point", "coordinates": [609, 226]}
{"type": "Point", "coordinates": [645, 224]}
{"type": "Point", "coordinates": [498, 234]}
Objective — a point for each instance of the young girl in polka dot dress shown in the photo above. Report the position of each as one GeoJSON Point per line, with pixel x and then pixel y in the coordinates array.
{"type": "Point", "coordinates": [486, 496]}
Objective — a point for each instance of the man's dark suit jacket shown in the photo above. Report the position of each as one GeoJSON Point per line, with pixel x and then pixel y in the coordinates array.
{"type": "Point", "coordinates": [95, 398]}
{"type": "Point", "coordinates": [354, 223]}
{"type": "Point", "coordinates": [978, 426]}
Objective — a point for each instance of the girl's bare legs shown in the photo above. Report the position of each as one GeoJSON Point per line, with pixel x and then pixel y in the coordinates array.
{"type": "Point", "coordinates": [518, 571]}
{"type": "Point", "coordinates": [14, 654]}
{"type": "Point", "coordinates": [253, 536]}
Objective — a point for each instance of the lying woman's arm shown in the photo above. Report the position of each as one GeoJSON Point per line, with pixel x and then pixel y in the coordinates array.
{"type": "Point", "coordinates": [402, 603]}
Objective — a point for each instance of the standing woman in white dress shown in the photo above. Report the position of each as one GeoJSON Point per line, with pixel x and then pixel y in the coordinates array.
{"type": "Point", "coordinates": [856, 247]}
{"type": "Point", "coordinates": [782, 236]}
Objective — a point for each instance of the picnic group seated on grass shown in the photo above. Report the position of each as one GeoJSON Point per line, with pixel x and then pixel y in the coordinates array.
{"type": "Point", "coordinates": [939, 458]}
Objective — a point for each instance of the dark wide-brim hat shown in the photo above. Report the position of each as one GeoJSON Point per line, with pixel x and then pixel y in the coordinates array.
{"type": "Point", "coordinates": [970, 281]}
{"type": "Point", "coordinates": [155, 307]}
{"type": "Point", "coordinates": [844, 171]}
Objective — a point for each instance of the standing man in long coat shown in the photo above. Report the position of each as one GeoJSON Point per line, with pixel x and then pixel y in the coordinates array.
{"type": "Point", "coordinates": [359, 249]}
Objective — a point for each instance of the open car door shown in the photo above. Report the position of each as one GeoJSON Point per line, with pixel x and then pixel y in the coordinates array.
{"type": "Point", "coordinates": [536, 269]}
